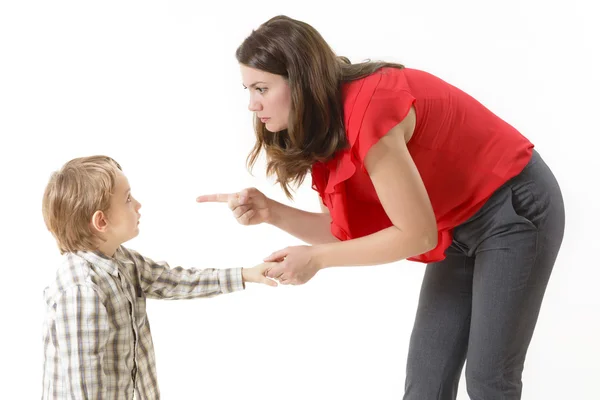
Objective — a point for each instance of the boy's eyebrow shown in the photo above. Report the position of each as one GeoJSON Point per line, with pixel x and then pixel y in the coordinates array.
{"type": "Point", "coordinates": [127, 192]}
{"type": "Point", "coordinates": [254, 84]}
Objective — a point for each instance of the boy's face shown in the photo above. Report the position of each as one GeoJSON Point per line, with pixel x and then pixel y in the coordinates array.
{"type": "Point", "coordinates": [123, 215]}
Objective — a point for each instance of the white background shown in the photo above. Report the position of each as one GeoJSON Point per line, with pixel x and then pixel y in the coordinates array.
{"type": "Point", "coordinates": [156, 86]}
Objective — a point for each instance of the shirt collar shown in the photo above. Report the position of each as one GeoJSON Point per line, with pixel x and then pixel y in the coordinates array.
{"type": "Point", "coordinates": [108, 264]}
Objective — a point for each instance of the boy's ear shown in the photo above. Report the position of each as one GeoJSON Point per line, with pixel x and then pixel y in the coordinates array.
{"type": "Point", "coordinates": [99, 222]}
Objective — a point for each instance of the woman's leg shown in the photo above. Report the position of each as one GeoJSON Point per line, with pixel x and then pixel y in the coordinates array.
{"type": "Point", "coordinates": [438, 344]}
{"type": "Point", "coordinates": [515, 239]}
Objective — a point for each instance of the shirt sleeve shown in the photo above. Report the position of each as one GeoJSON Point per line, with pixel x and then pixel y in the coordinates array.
{"type": "Point", "coordinates": [82, 333]}
{"type": "Point", "coordinates": [388, 105]}
{"type": "Point", "coordinates": [160, 281]}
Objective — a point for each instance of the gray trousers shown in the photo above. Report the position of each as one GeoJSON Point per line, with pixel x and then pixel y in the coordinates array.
{"type": "Point", "coordinates": [482, 302]}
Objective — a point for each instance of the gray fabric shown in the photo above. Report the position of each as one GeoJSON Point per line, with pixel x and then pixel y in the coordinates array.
{"type": "Point", "coordinates": [482, 302]}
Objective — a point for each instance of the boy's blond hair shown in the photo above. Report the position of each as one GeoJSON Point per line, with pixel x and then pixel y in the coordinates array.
{"type": "Point", "coordinates": [73, 194]}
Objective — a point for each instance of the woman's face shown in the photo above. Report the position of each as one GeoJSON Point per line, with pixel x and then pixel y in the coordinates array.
{"type": "Point", "coordinates": [270, 97]}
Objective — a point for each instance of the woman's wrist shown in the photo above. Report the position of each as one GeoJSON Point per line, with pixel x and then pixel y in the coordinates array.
{"type": "Point", "coordinates": [320, 255]}
{"type": "Point", "coordinates": [273, 213]}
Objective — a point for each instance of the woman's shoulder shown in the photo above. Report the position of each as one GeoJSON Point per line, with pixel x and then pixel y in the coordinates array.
{"type": "Point", "coordinates": [387, 79]}
{"type": "Point", "coordinates": [385, 92]}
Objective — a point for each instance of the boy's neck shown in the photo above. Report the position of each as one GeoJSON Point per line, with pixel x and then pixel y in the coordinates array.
{"type": "Point", "coordinates": [108, 249]}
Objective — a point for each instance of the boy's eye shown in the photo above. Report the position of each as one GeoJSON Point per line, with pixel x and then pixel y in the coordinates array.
{"type": "Point", "coordinates": [128, 199]}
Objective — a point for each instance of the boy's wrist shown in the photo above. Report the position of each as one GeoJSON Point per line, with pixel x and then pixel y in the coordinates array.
{"type": "Point", "coordinates": [244, 277]}
{"type": "Point", "coordinates": [230, 279]}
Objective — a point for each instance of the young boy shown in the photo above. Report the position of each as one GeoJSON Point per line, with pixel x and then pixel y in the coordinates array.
{"type": "Point", "coordinates": [97, 341]}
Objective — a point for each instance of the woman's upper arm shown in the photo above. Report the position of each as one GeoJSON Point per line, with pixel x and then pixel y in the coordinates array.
{"type": "Point", "coordinates": [398, 183]}
{"type": "Point", "coordinates": [324, 208]}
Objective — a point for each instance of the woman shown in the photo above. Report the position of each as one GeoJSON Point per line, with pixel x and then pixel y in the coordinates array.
{"type": "Point", "coordinates": [407, 167]}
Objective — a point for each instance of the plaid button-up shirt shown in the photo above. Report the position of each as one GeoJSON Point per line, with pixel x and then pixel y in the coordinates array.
{"type": "Point", "coordinates": [97, 340]}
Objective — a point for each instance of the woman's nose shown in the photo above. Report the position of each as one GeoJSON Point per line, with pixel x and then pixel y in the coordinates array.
{"type": "Point", "coordinates": [254, 106]}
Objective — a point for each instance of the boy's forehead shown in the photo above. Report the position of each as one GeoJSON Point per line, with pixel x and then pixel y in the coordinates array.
{"type": "Point", "coordinates": [121, 183]}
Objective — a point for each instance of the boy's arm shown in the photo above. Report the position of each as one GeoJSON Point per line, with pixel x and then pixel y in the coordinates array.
{"type": "Point", "coordinates": [159, 281]}
{"type": "Point", "coordinates": [82, 333]}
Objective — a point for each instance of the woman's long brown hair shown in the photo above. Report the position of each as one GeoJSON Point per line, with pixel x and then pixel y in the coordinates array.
{"type": "Point", "coordinates": [296, 51]}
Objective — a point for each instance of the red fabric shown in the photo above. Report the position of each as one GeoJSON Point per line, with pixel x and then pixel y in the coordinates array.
{"type": "Point", "coordinates": [462, 150]}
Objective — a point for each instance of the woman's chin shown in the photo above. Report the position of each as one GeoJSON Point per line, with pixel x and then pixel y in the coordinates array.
{"type": "Point", "coordinates": [273, 127]}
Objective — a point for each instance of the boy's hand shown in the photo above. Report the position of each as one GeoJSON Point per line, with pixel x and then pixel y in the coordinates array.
{"type": "Point", "coordinates": [257, 274]}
